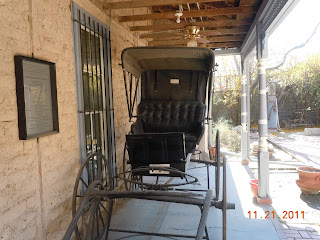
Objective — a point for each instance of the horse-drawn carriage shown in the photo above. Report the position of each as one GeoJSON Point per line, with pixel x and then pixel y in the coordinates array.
{"type": "Point", "coordinates": [168, 92]}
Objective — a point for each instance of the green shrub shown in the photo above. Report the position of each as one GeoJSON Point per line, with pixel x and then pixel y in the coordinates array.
{"type": "Point", "coordinates": [229, 137]}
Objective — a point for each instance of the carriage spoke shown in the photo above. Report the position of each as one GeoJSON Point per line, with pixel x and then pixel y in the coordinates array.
{"type": "Point", "coordinates": [97, 219]}
{"type": "Point", "coordinates": [90, 220]}
{"type": "Point", "coordinates": [104, 208]}
{"type": "Point", "coordinates": [100, 215]}
{"type": "Point", "coordinates": [85, 220]}
{"type": "Point", "coordinates": [93, 222]}
{"type": "Point", "coordinates": [84, 183]}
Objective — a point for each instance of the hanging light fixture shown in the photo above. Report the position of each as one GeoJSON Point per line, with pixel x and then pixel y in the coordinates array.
{"type": "Point", "coordinates": [192, 42]}
{"type": "Point", "coordinates": [179, 13]}
{"type": "Point", "coordinates": [192, 31]}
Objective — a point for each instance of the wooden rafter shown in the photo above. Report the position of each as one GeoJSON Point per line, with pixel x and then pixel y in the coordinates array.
{"type": "Point", "coordinates": [149, 3]}
{"type": "Point", "coordinates": [222, 45]}
{"type": "Point", "coordinates": [188, 14]}
{"type": "Point", "coordinates": [248, 2]}
{"type": "Point", "coordinates": [209, 45]}
{"type": "Point", "coordinates": [234, 31]}
{"type": "Point", "coordinates": [173, 26]}
{"type": "Point", "coordinates": [220, 39]}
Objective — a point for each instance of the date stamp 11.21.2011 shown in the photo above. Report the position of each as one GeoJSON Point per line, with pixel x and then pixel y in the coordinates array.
{"type": "Point", "coordinates": [285, 215]}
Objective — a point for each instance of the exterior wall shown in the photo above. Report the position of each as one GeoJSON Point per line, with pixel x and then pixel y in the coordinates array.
{"type": "Point", "coordinates": [37, 176]}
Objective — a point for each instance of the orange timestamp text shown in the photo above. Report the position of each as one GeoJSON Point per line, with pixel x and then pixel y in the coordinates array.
{"type": "Point", "coordinates": [285, 215]}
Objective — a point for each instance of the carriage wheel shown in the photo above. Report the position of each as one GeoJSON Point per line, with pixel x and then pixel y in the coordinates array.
{"type": "Point", "coordinates": [96, 215]}
{"type": "Point", "coordinates": [224, 200]}
{"type": "Point", "coordinates": [126, 169]}
{"type": "Point", "coordinates": [217, 170]}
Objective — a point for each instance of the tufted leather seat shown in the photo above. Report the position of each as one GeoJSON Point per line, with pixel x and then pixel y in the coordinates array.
{"type": "Point", "coordinates": [172, 116]}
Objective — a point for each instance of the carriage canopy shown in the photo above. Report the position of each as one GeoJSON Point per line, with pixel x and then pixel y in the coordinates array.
{"type": "Point", "coordinates": [140, 59]}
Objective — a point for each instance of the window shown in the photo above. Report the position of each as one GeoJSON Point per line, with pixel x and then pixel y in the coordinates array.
{"type": "Point", "coordinates": [94, 85]}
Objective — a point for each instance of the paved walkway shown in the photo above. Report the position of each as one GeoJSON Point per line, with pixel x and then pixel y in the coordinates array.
{"type": "Point", "coordinates": [300, 231]}
{"type": "Point", "coordinates": [287, 198]}
{"type": "Point", "coordinates": [305, 148]}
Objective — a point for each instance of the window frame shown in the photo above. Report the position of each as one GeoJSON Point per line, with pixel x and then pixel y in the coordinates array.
{"type": "Point", "coordinates": [81, 18]}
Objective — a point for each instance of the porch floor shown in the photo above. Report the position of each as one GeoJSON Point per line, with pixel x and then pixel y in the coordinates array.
{"type": "Point", "coordinates": [162, 217]}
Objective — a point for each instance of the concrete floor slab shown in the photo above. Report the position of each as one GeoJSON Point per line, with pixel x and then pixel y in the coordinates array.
{"type": "Point", "coordinates": [142, 215]}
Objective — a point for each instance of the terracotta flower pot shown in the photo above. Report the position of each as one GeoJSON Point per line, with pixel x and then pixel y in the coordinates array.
{"type": "Point", "coordinates": [309, 180]}
{"type": "Point", "coordinates": [254, 187]}
{"type": "Point", "coordinates": [212, 153]}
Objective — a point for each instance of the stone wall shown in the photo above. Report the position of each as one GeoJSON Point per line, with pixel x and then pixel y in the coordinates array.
{"type": "Point", "coordinates": [37, 175]}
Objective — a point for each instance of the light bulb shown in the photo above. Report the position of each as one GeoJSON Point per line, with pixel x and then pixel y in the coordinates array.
{"type": "Point", "coordinates": [178, 15]}
{"type": "Point", "coordinates": [192, 43]}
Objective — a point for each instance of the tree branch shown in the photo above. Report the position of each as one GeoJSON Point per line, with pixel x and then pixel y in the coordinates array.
{"type": "Point", "coordinates": [255, 82]}
{"type": "Point", "coordinates": [294, 48]}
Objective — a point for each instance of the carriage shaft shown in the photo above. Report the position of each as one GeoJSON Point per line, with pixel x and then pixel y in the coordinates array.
{"type": "Point", "coordinates": [177, 197]}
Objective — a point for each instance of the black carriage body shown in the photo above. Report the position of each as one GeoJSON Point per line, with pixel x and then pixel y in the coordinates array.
{"type": "Point", "coordinates": [175, 84]}
{"type": "Point", "coordinates": [156, 149]}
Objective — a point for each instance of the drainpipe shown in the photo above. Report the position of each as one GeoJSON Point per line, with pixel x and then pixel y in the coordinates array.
{"type": "Point", "coordinates": [263, 154]}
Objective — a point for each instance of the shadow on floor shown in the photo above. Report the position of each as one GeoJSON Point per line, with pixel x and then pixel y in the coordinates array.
{"type": "Point", "coordinates": [313, 200]}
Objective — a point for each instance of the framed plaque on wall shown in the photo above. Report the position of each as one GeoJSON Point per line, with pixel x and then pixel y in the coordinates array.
{"type": "Point", "coordinates": [36, 97]}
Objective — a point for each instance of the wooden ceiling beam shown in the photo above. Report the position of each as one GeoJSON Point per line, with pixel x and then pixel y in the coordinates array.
{"type": "Point", "coordinates": [233, 31]}
{"type": "Point", "coordinates": [222, 45]}
{"type": "Point", "coordinates": [209, 45]}
{"type": "Point", "coordinates": [248, 2]}
{"type": "Point", "coordinates": [150, 3]}
{"type": "Point", "coordinates": [221, 39]}
{"type": "Point", "coordinates": [188, 14]}
{"type": "Point", "coordinates": [217, 39]}
{"type": "Point", "coordinates": [173, 26]}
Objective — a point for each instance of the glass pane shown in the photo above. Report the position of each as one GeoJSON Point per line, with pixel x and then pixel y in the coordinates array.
{"type": "Point", "coordinates": [88, 133]}
{"type": "Point", "coordinates": [90, 92]}
{"type": "Point", "coordinates": [91, 100]}
{"type": "Point", "coordinates": [84, 40]}
{"type": "Point", "coordinates": [95, 93]}
{"type": "Point", "coordinates": [99, 94]}
{"type": "Point", "coordinates": [96, 54]}
{"type": "Point", "coordinates": [97, 131]}
{"type": "Point", "coordinates": [85, 91]}
{"type": "Point", "coordinates": [93, 54]}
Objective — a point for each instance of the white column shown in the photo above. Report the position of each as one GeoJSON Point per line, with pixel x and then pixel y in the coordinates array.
{"type": "Point", "coordinates": [263, 154]}
{"type": "Point", "coordinates": [244, 121]}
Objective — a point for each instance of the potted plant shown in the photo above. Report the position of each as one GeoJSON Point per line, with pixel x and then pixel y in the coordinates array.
{"type": "Point", "coordinates": [309, 180]}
